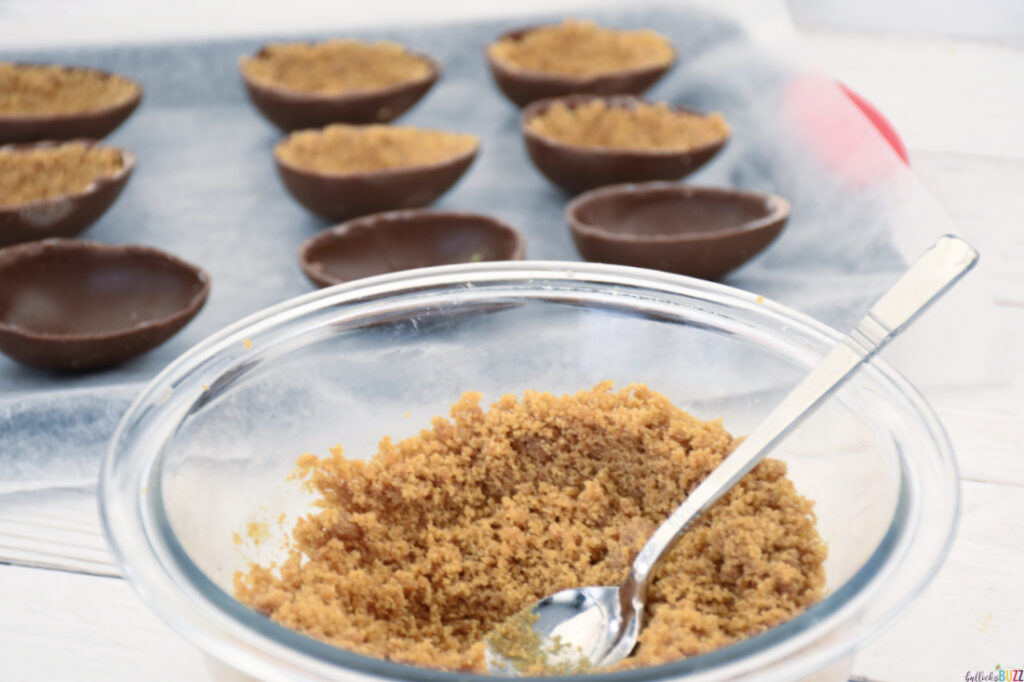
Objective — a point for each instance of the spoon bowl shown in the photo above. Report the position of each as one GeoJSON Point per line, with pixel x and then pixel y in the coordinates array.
{"type": "Point", "coordinates": [583, 622]}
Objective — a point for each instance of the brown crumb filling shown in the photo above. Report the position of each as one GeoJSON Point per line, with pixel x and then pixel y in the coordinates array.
{"type": "Point", "coordinates": [582, 48]}
{"type": "Point", "coordinates": [417, 554]}
{"type": "Point", "coordinates": [641, 126]}
{"type": "Point", "coordinates": [46, 172]}
{"type": "Point", "coordinates": [30, 89]}
{"type": "Point", "coordinates": [343, 148]}
{"type": "Point", "coordinates": [335, 66]}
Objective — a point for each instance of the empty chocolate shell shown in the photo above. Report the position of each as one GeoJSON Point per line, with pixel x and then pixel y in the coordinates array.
{"type": "Point", "coordinates": [402, 240]}
{"type": "Point", "coordinates": [67, 304]}
{"type": "Point", "coordinates": [703, 232]}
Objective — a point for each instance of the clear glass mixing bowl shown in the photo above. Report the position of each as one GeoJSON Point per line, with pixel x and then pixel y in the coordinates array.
{"type": "Point", "coordinates": [206, 448]}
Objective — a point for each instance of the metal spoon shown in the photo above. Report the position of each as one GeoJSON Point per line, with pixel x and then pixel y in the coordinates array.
{"type": "Point", "coordinates": [593, 627]}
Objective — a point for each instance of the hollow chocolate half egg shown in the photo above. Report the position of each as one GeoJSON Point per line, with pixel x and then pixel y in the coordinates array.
{"type": "Point", "coordinates": [67, 304]}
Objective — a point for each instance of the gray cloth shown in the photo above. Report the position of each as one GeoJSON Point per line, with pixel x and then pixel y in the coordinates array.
{"type": "Point", "coordinates": [205, 189]}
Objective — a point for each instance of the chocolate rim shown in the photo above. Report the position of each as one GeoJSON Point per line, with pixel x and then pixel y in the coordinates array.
{"type": "Point", "coordinates": [572, 101]}
{"type": "Point", "coordinates": [128, 104]}
{"type": "Point", "coordinates": [550, 78]}
{"type": "Point", "coordinates": [777, 209]}
{"type": "Point", "coordinates": [17, 252]}
{"type": "Point", "coordinates": [128, 160]}
{"type": "Point", "coordinates": [382, 172]}
{"type": "Point", "coordinates": [314, 270]}
{"type": "Point", "coordinates": [303, 97]}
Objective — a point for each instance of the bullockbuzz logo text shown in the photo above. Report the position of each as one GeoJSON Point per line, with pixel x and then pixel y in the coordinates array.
{"type": "Point", "coordinates": [1000, 674]}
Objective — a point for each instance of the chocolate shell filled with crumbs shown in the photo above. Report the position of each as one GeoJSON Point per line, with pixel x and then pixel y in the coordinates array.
{"type": "Point", "coordinates": [58, 189]}
{"type": "Point", "coordinates": [56, 102]}
{"type": "Point", "coordinates": [581, 142]}
{"type": "Point", "coordinates": [344, 171]}
{"type": "Point", "coordinates": [575, 57]}
{"type": "Point", "coordinates": [309, 85]}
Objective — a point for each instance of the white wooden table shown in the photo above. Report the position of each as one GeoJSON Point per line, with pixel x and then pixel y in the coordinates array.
{"type": "Point", "coordinates": [958, 106]}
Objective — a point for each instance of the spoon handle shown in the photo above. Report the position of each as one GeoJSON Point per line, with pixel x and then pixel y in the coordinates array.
{"type": "Point", "coordinates": [927, 279]}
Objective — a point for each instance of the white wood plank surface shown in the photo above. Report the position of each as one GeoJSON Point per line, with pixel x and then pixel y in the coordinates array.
{"type": "Point", "coordinates": [958, 104]}
{"type": "Point", "coordinates": [985, 198]}
{"type": "Point", "coordinates": [55, 529]}
{"type": "Point", "coordinates": [66, 627]}
{"type": "Point", "coordinates": [971, 617]}
{"type": "Point", "coordinates": [986, 423]}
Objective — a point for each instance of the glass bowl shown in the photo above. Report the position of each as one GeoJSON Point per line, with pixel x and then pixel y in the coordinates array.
{"type": "Point", "coordinates": [206, 448]}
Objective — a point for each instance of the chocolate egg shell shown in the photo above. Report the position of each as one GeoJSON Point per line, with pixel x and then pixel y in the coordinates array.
{"type": "Point", "coordinates": [294, 110]}
{"type": "Point", "coordinates": [402, 240]}
{"type": "Point", "coordinates": [67, 304]}
{"type": "Point", "coordinates": [576, 168]}
{"type": "Point", "coordinates": [68, 214]}
{"type": "Point", "coordinates": [703, 232]}
{"type": "Point", "coordinates": [524, 87]}
{"type": "Point", "coordinates": [340, 196]}
{"type": "Point", "coordinates": [94, 124]}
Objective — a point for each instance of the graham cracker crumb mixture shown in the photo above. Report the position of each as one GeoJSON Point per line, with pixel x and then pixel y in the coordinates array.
{"type": "Point", "coordinates": [46, 172]}
{"type": "Point", "coordinates": [582, 48]}
{"type": "Point", "coordinates": [335, 66]}
{"type": "Point", "coordinates": [50, 89]}
{"type": "Point", "coordinates": [341, 148]}
{"type": "Point", "coordinates": [640, 126]}
{"type": "Point", "coordinates": [419, 553]}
